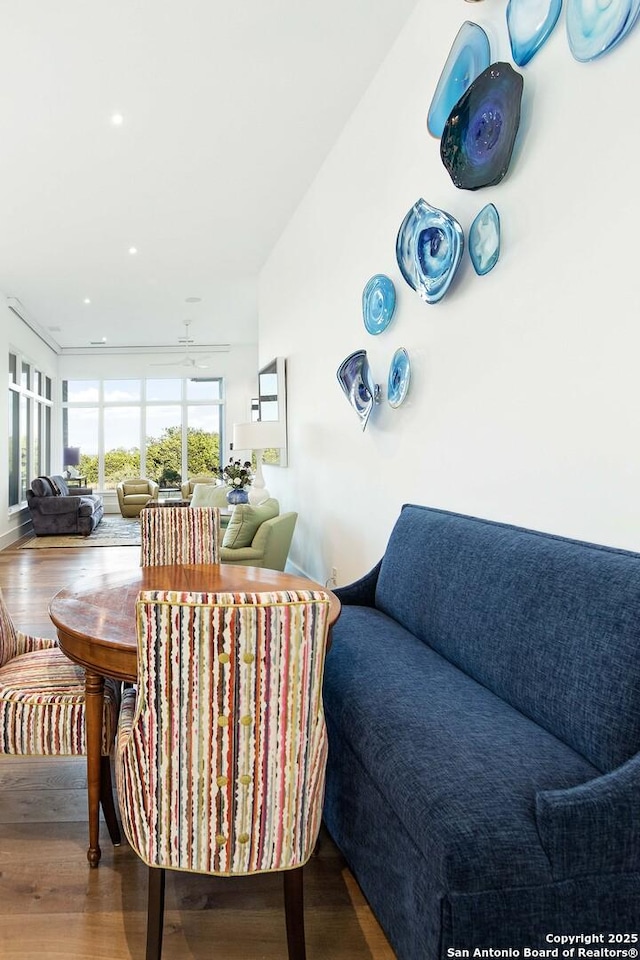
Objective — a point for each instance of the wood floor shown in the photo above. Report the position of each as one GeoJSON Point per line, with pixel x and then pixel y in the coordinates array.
{"type": "Point", "coordinates": [54, 907]}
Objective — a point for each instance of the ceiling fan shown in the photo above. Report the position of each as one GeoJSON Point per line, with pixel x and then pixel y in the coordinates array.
{"type": "Point", "coordinates": [193, 363]}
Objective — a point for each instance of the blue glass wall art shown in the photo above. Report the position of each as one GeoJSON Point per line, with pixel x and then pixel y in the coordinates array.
{"type": "Point", "coordinates": [595, 27]}
{"type": "Point", "coordinates": [399, 378]}
{"type": "Point", "coordinates": [478, 137]}
{"type": "Point", "coordinates": [378, 303]}
{"type": "Point", "coordinates": [354, 376]}
{"type": "Point", "coordinates": [429, 247]}
{"type": "Point", "coordinates": [530, 23]}
{"type": "Point", "coordinates": [484, 240]}
{"type": "Point", "coordinates": [469, 56]}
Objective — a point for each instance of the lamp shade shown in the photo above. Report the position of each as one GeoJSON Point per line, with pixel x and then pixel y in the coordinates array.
{"type": "Point", "coordinates": [258, 435]}
{"type": "Point", "coordinates": [71, 456]}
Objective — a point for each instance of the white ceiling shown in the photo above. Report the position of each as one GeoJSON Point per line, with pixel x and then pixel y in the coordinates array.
{"type": "Point", "coordinates": [229, 110]}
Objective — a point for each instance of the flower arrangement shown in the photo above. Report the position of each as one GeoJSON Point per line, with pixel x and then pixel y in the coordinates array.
{"type": "Point", "coordinates": [237, 475]}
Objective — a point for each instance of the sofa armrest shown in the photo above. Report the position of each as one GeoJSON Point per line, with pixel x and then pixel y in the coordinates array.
{"type": "Point", "coordinates": [595, 827]}
{"type": "Point", "coordinates": [247, 555]}
{"type": "Point", "coordinates": [362, 592]}
{"type": "Point", "coordinates": [54, 506]}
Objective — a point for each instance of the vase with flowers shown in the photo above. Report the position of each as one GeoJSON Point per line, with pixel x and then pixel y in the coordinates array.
{"type": "Point", "coordinates": [238, 476]}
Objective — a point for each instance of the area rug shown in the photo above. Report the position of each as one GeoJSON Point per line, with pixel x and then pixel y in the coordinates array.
{"type": "Point", "coordinates": [113, 531]}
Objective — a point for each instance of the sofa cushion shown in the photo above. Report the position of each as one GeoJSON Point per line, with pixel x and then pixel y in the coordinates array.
{"type": "Point", "coordinates": [518, 610]}
{"type": "Point", "coordinates": [245, 521]}
{"type": "Point", "coordinates": [457, 764]}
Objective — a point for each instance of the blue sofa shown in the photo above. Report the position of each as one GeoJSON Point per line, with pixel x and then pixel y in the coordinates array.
{"type": "Point", "coordinates": [482, 695]}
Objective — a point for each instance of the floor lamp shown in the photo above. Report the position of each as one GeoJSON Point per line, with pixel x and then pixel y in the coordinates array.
{"type": "Point", "coordinates": [258, 436]}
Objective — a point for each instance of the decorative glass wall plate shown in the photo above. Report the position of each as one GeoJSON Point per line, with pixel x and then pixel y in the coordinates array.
{"type": "Point", "coordinates": [530, 23]}
{"type": "Point", "coordinates": [484, 240]}
{"type": "Point", "coordinates": [477, 141]}
{"type": "Point", "coordinates": [429, 247]}
{"type": "Point", "coordinates": [399, 378]}
{"type": "Point", "coordinates": [354, 376]}
{"type": "Point", "coordinates": [595, 27]}
{"type": "Point", "coordinates": [378, 303]}
{"type": "Point", "coordinates": [469, 56]}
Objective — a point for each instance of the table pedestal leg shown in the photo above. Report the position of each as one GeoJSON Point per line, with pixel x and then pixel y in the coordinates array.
{"type": "Point", "coordinates": [94, 694]}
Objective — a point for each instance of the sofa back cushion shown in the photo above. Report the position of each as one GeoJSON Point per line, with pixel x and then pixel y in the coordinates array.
{"type": "Point", "coordinates": [550, 625]}
{"type": "Point", "coordinates": [209, 495]}
{"type": "Point", "coordinates": [49, 487]}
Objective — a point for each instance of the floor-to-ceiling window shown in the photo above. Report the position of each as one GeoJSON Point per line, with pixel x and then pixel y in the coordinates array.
{"type": "Point", "coordinates": [29, 407]}
{"type": "Point", "coordinates": [164, 429]}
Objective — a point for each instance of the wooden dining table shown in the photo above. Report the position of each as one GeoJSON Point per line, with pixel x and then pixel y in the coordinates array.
{"type": "Point", "coordinates": [96, 624]}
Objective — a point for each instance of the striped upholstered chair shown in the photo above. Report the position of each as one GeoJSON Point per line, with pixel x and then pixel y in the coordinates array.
{"type": "Point", "coordinates": [221, 750]}
{"type": "Point", "coordinates": [179, 535]}
{"type": "Point", "coordinates": [42, 706]}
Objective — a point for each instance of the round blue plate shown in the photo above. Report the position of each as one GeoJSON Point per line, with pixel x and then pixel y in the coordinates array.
{"type": "Point", "coordinates": [378, 303]}
{"type": "Point", "coordinates": [399, 378]}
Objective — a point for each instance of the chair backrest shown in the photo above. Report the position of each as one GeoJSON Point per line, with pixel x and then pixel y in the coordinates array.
{"type": "Point", "coordinates": [8, 641]}
{"type": "Point", "coordinates": [274, 538]}
{"type": "Point", "coordinates": [179, 535]}
{"type": "Point", "coordinates": [187, 487]}
{"type": "Point", "coordinates": [223, 771]}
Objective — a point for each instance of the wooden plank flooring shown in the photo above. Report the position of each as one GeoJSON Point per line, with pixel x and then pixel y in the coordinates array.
{"type": "Point", "coordinates": [53, 907]}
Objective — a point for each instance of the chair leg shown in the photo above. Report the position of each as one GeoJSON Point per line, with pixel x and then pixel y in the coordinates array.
{"type": "Point", "coordinates": [106, 801]}
{"type": "Point", "coordinates": [294, 913]}
{"type": "Point", "coordinates": [155, 913]}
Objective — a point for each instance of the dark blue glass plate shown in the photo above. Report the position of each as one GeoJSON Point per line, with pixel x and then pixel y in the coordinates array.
{"type": "Point", "coordinates": [378, 303]}
{"type": "Point", "coordinates": [354, 376]}
{"type": "Point", "coordinates": [477, 141]}
{"type": "Point", "coordinates": [594, 28]}
{"type": "Point", "coordinates": [530, 23]}
{"type": "Point", "coordinates": [399, 378]}
{"type": "Point", "coordinates": [470, 54]}
{"type": "Point", "coordinates": [429, 247]}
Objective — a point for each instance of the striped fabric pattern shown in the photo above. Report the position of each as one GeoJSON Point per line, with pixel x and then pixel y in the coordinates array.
{"type": "Point", "coordinates": [221, 757]}
{"type": "Point", "coordinates": [42, 697]}
{"type": "Point", "coordinates": [179, 535]}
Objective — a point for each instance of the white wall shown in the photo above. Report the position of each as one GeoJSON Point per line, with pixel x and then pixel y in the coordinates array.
{"type": "Point", "coordinates": [524, 400]}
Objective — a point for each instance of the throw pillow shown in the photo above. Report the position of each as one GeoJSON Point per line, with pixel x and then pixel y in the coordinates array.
{"type": "Point", "coordinates": [245, 521]}
{"type": "Point", "coordinates": [55, 487]}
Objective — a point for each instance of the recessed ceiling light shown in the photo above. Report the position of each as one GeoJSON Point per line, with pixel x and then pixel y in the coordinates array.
{"type": "Point", "coordinates": [117, 119]}
{"type": "Point", "coordinates": [133, 250]}
{"type": "Point", "coordinates": [193, 300]}
{"type": "Point", "coordinates": [86, 300]}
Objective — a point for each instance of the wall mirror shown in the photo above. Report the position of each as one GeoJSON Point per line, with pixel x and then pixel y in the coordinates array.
{"type": "Point", "coordinates": [272, 404]}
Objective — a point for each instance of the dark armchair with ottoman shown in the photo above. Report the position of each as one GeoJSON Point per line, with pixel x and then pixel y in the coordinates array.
{"type": "Point", "coordinates": [54, 510]}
